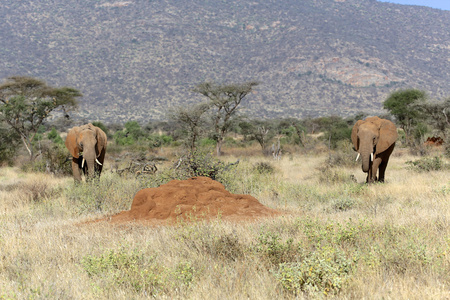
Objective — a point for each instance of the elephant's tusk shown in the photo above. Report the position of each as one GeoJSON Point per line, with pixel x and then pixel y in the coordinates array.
{"type": "Point", "coordinates": [82, 163]}
{"type": "Point", "coordinates": [371, 156]}
{"type": "Point", "coordinates": [96, 160]}
{"type": "Point", "coordinates": [357, 156]}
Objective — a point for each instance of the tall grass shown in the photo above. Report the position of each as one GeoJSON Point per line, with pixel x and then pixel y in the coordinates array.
{"type": "Point", "coordinates": [337, 237]}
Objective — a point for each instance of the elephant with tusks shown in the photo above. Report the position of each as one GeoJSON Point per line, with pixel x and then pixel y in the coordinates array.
{"type": "Point", "coordinates": [87, 145]}
{"type": "Point", "coordinates": [374, 140]}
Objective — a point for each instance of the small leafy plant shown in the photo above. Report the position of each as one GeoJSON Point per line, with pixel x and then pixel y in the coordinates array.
{"type": "Point", "coordinates": [325, 270]}
{"type": "Point", "coordinates": [427, 164]}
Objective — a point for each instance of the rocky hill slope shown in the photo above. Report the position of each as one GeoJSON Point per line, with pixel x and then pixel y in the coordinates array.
{"type": "Point", "coordinates": [134, 59]}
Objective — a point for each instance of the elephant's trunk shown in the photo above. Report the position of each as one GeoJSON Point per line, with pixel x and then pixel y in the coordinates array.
{"type": "Point", "coordinates": [90, 163]}
{"type": "Point", "coordinates": [367, 158]}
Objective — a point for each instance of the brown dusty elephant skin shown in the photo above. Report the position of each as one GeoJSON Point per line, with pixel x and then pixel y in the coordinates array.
{"type": "Point", "coordinates": [374, 139]}
{"type": "Point", "coordinates": [87, 145]}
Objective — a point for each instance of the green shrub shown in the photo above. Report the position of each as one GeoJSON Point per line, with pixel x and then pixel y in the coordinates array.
{"type": "Point", "coordinates": [274, 249]}
{"type": "Point", "coordinates": [54, 136]}
{"type": "Point", "coordinates": [207, 142]}
{"type": "Point", "coordinates": [114, 195]}
{"type": "Point", "coordinates": [199, 163]}
{"type": "Point", "coordinates": [325, 270]}
{"type": "Point", "coordinates": [54, 159]}
{"type": "Point", "coordinates": [427, 164]}
{"type": "Point", "coordinates": [264, 168]}
{"type": "Point", "coordinates": [127, 270]}
{"type": "Point", "coordinates": [343, 203]}
{"type": "Point", "coordinates": [122, 139]}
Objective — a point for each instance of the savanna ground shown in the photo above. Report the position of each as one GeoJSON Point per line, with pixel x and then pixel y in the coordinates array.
{"type": "Point", "coordinates": [337, 238]}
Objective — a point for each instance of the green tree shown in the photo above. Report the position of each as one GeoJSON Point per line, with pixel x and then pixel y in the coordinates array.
{"type": "Point", "coordinates": [9, 142]}
{"type": "Point", "coordinates": [133, 129]}
{"type": "Point", "coordinates": [402, 105]}
{"type": "Point", "coordinates": [437, 114]}
{"type": "Point", "coordinates": [54, 136]}
{"type": "Point", "coordinates": [26, 102]}
{"type": "Point", "coordinates": [336, 129]}
{"type": "Point", "coordinates": [130, 134]}
{"type": "Point", "coordinates": [262, 132]}
{"type": "Point", "coordinates": [192, 120]}
{"type": "Point", "coordinates": [225, 99]}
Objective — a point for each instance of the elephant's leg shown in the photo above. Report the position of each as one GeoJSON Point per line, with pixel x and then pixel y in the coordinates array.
{"type": "Point", "coordinates": [76, 170]}
{"type": "Point", "coordinates": [375, 166]}
{"type": "Point", "coordinates": [369, 176]}
{"type": "Point", "coordinates": [382, 169]}
{"type": "Point", "coordinates": [386, 154]}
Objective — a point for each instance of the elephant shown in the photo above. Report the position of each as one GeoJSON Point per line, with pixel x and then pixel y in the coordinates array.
{"type": "Point", "coordinates": [374, 140]}
{"type": "Point", "coordinates": [86, 143]}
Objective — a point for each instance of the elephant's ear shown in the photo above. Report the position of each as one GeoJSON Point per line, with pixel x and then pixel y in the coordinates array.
{"type": "Point", "coordinates": [355, 134]}
{"type": "Point", "coordinates": [71, 142]}
{"type": "Point", "coordinates": [101, 140]}
{"type": "Point", "coordinates": [388, 135]}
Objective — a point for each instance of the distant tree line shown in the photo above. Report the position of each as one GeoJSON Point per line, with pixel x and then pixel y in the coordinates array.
{"type": "Point", "coordinates": [27, 103]}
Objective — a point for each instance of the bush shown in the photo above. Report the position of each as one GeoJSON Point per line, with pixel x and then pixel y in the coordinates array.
{"type": "Point", "coordinates": [274, 249]}
{"type": "Point", "coordinates": [264, 168]}
{"type": "Point", "coordinates": [207, 142]}
{"type": "Point", "coordinates": [198, 163]}
{"type": "Point", "coordinates": [54, 136]}
{"type": "Point", "coordinates": [427, 164]}
{"type": "Point", "coordinates": [325, 270]}
{"type": "Point", "coordinates": [137, 272]}
{"type": "Point", "coordinates": [54, 159]}
{"type": "Point", "coordinates": [9, 143]}
{"type": "Point", "coordinates": [112, 197]}
{"type": "Point", "coordinates": [343, 204]}
{"type": "Point", "coordinates": [127, 270]}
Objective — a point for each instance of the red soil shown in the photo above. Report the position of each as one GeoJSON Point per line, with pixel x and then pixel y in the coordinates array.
{"type": "Point", "coordinates": [198, 198]}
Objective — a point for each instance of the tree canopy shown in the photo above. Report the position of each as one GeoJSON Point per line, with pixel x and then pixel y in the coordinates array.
{"type": "Point", "coordinates": [402, 104]}
{"type": "Point", "coordinates": [25, 103]}
{"type": "Point", "coordinates": [192, 120]}
{"type": "Point", "coordinates": [225, 99]}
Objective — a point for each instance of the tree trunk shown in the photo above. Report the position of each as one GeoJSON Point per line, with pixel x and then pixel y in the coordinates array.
{"type": "Point", "coordinates": [28, 146]}
{"type": "Point", "coordinates": [219, 147]}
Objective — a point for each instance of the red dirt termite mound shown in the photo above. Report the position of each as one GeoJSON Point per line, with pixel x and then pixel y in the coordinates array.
{"type": "Point", "coordinates": [192, 199]}
{"type": "Point", "coordinates": [434, 141]}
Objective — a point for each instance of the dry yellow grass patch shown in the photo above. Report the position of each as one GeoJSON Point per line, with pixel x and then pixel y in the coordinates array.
{"type": "Point", "coordinates": [347, 239]}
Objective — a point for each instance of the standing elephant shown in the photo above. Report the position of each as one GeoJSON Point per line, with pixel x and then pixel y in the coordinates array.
{"type": "Point", "coordinates": [374, 139]}
{"type": "Point", "coordinates": [87, 145]}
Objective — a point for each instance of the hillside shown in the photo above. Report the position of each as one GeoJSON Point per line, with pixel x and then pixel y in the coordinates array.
{"type": "Point", "coordinates": [134, 59]}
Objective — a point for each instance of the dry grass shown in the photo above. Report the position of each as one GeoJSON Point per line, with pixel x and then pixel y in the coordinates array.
{"type": "Point", "coordinates": [346, 239]}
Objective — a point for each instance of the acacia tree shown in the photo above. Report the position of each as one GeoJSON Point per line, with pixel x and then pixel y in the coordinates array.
{"type": "Point", "coordinates": [403, 105]}
{"type": "Point", "coordinates": [25, 103]}
{"type": "Point", "coordinates": [225, 99]}
{"type": "Point", "coordinates": [192, 120]}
